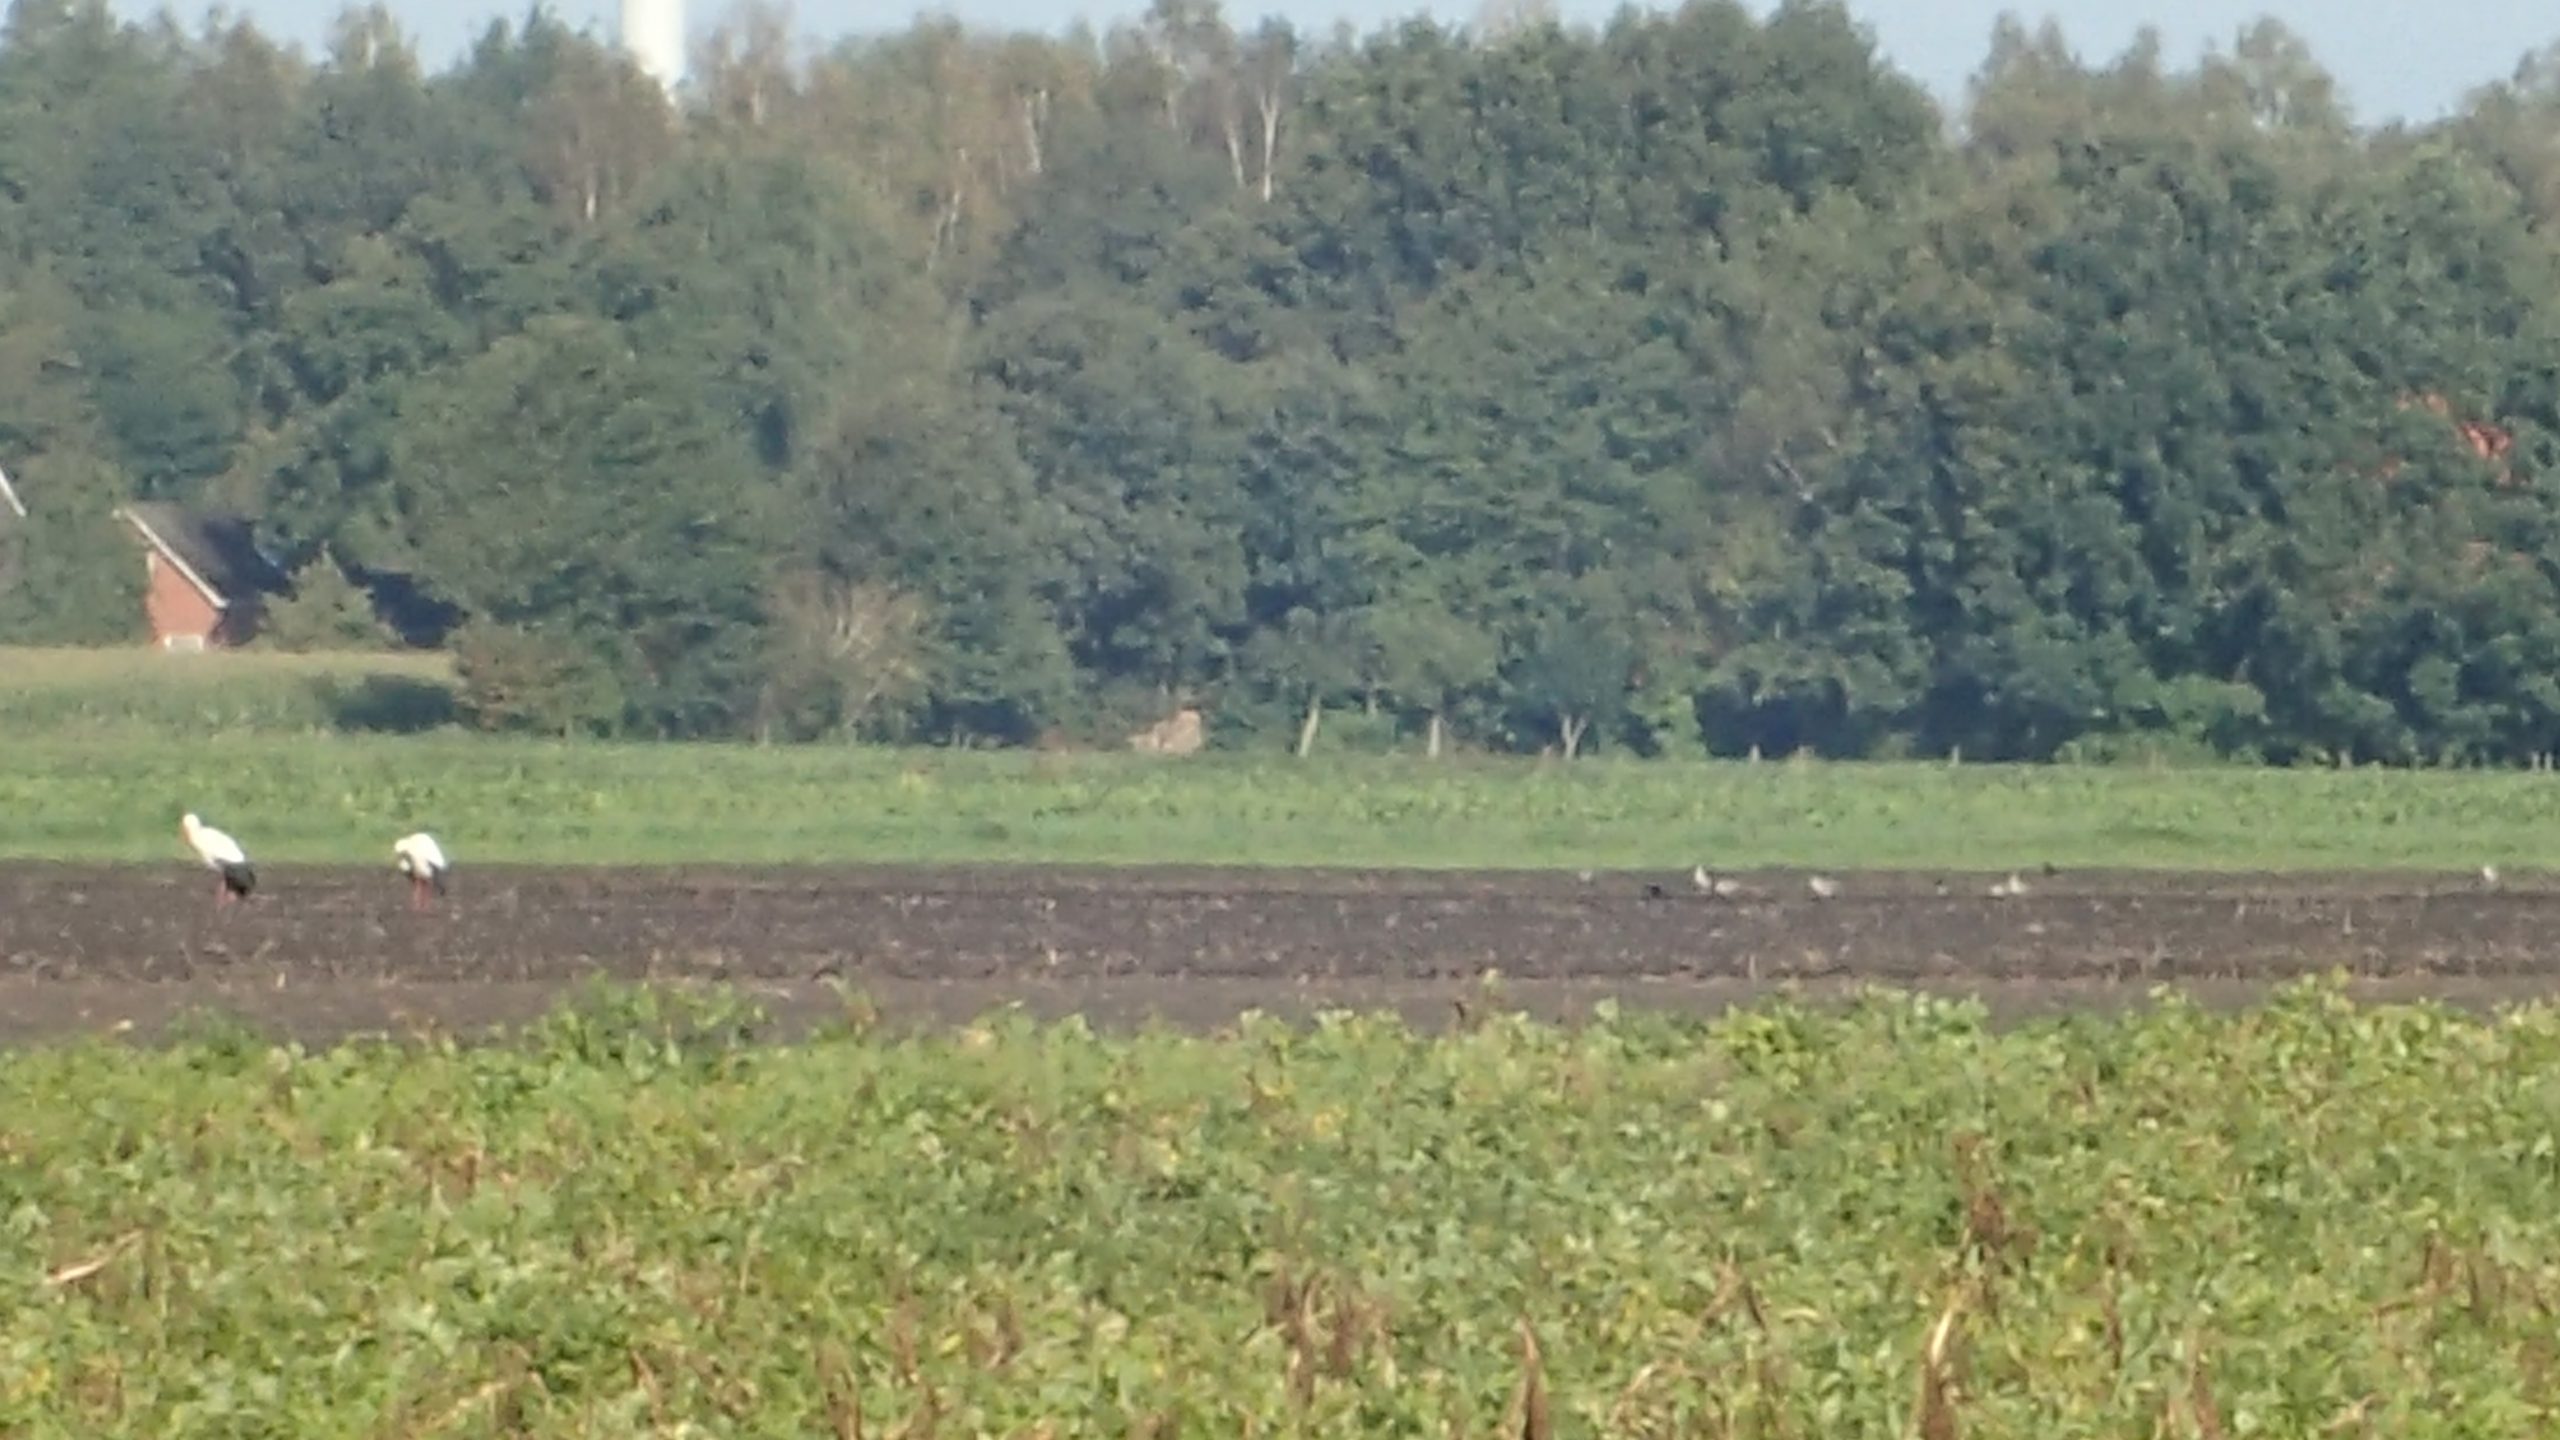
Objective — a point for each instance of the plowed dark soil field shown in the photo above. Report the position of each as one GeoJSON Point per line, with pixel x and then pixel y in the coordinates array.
{"type": "Point", "coordinates": [321, 951]}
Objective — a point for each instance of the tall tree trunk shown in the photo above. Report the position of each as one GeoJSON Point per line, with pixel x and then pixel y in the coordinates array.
{"type": "Point", "coordinates": [1307, 727]}
{"type": "Point", "coordinates": [1270, 140]}
{"type": "Point", "coordinates": [1035, 108]}
{"type": "Point", "coordinates": [1432, 745]}
{"type": "Point", "coordinates": [1232, 132]}
{"type": "Point", "coordinates": [1569, 731]}
{"type": "Point", "coordinates": [946, 229]}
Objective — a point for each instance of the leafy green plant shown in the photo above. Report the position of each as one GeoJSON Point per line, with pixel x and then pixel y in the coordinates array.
{"type": "Point", "coordinates": [1884, 1218]}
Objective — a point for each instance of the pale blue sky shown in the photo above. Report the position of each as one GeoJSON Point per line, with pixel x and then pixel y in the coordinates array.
{"type": "Point", "coordinates": [2394, 62]}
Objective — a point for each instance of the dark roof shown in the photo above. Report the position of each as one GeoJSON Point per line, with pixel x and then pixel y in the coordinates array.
{"type": "Point", "coordinates": [221, 550]}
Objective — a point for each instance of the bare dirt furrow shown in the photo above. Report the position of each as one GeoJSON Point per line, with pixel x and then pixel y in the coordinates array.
{"type": "Point", "coordinates": [332, 948]}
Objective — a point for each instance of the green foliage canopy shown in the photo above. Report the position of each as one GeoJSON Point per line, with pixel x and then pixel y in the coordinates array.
{"type": "Point", "coordinates": [1684, 383]}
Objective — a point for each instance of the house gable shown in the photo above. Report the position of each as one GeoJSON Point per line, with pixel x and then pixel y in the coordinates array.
{"type": "Point", "coordinates": [207, 579]}
{"type": "Point", "coordinates": [167, 554]}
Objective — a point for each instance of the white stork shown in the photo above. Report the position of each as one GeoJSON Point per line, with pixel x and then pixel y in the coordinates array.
{"type": "Point", "coordinates": [420, 858]}
{"type": "Point", "coordinates": [223, 856]}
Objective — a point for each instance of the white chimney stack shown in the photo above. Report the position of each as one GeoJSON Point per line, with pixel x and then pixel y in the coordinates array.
{"type": "Point", "coordinates": [653, 36]}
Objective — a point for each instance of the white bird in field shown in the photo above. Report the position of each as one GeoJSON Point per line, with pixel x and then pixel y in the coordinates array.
{"type": "Point", "coordinates": [1822, 886]}
{"type": "Point", "coordinates": [2009, 889]}
{"type": "Point", "coordinates": [420, 858]}
{"type": "Point", "coordinates": [223, 856]}
{"type": "Point", "coordinates": [1723, 887]}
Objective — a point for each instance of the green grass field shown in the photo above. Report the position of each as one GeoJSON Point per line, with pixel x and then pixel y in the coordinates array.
{"type": "Point", "coordinates": [104, 749]}
{"type": "Point", "coordinates": [139, 693]}
{"type": "Point", "coordinates": [344, 797]}
{"type": "Point", "coordinates": [2308, 1219]}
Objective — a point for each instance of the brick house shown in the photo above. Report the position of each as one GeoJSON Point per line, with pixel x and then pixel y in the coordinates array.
{"type": "Point", "coordinates": [206, 580]}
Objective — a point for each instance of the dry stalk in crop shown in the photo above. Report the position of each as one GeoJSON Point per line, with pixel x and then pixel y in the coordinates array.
{"type": "Point", "coordinates": [902, 1338]}
{"type": "Point", "coordinates": [1286, 1304]}
{"type": "Point", "coordinates": [1302, 1368]}
{"type": "Point", "coordinates": [468, 1403]}
{"type": "Point", "coordinates": [1008, 1331]}
{"type": "Point", "coordinates": [1935, 1416]}
{"type": "Point", "coordinates": [2114, 1314]}
{"type": "Point", "coordinates": [2357, 1417]}
{"type": "Point", "coordinates": [2203, 1415]}
{"type": "Point", "coordinates": [1997, 1239]}
{"type": "Point", "coordinates": [647, 1380]}
{"type": "Point", "coordinates": [927, 1420]}
{"type": "Point", "coordinates": [2487, 1287]}
{"type": "Point", "coordinates": [843, 1394]}
{"type": "Point", "coordinates": [1527, 1417]}
{"type": "Point", "coordinates": [1772, 1382]}
{"type": "Point", "coordinates": [1348, 1325]}
{"type": "Point", "coordinates": [1627, 1397]}
{"type": "Point", "coordinates": [79, 1270]}
{"type": "Point", "coordinates": [1734, 1288]}
{"type": "Point", "coordinates": [2437, 1270]}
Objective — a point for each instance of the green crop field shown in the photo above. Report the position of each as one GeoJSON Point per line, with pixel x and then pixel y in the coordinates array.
{"type": "Point", "coordinates": [139, 694]}
{"type": "Point", "coordinates": [2306, 1219]}
{"type": "Point", "coordinates": [320, 798]}
{"type": "Point", "coordinates": [106, 748]}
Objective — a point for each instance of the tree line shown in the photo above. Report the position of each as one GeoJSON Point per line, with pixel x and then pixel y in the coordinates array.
{"type": "Point", "coordinates": [1690, 383]}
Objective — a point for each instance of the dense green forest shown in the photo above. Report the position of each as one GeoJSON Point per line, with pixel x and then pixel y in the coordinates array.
{"type": "Point", "coordinates": [1688, 383]}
